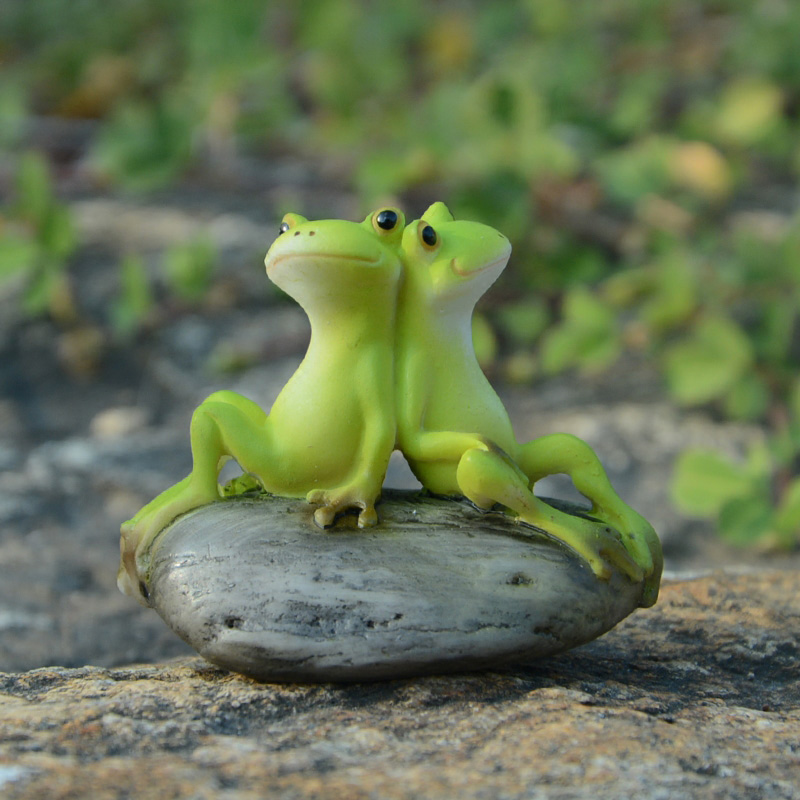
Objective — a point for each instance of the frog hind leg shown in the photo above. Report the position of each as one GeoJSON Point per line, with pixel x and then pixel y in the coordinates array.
{"type": "Point", "coordinates": [565, 453]}
{"type": "Point", "coordinates": [225, 425]}
{"type": "Point", "coordinates": [487, 477]}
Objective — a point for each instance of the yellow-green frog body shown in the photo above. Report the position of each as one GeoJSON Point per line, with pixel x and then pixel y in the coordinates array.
{"type": "Point", "coordinates": [454, 430]}
{"type": "Point", "coordinates": [331, 431]}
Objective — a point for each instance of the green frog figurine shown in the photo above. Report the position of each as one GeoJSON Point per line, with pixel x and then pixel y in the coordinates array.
{"type": "Point", "coordinates": [453, 428]}
{"type": "Point", "coordinates": [391, 365]}
{"type": "Point", "coordinates": [331, 431]}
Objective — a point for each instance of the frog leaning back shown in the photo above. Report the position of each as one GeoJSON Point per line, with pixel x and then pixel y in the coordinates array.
{"type": "Point", "coordinates": [391, 365]}
{"type": "Point", "coordinates": [452, 426]}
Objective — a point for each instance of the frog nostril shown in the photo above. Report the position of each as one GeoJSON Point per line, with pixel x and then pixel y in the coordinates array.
{"type": "Point", "coordinates": [312, 233]}
{"type": "Point", "coordinates": [297, 233]}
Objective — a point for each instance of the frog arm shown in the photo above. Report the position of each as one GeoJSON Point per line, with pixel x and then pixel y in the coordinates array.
{"type": "Point", "coordinates": [375, 430]}
{"type": "Point", "coordinates": [417, 443]}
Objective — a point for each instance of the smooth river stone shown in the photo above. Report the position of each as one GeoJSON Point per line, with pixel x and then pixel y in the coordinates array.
{"type": "Point", "coordinates": [437, 586]}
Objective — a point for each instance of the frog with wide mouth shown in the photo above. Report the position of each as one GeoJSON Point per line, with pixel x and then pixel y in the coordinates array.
{"type": "Point", "coordinates": [453, 428]}
{"type": "Point", "coordinates": [329, 435]}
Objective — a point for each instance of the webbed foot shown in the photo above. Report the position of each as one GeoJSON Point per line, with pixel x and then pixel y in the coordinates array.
{"type": "Point", "coordinates": [597, 543]}
{"type": "Point", "coordinates": [335, 501]}
{"type": "Point", "coordinates": [640, 540]}
{"type": "Point", "coordinates": [137, 534]}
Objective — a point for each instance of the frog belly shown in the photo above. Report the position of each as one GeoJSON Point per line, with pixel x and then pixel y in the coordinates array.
{"type": "Point", "coordinates": [312, 446]}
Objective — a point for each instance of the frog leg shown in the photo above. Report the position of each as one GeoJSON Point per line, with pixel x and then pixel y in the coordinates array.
{"type": "Point", "coordinates": [564, 453]}
{"type": "Point", "coordinates": [375, 429]}
{"type": "Point", "coordinates": [246, 482]}
{"type": "Point", "coordinates": [225, 425]}
{"type": "Point", "coordinates": [486, 476]}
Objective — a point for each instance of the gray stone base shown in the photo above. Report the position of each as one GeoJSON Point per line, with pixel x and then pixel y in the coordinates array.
{"type": "Point", "coordinates": [438, 586]}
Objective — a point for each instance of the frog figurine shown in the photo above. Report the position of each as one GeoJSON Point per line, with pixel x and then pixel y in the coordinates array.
{"type": "Point", "coordinates": [454, 430]}
{"type": "Point", "coordinates": [331, 431]}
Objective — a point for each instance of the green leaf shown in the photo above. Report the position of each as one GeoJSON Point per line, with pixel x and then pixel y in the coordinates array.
{"type": "Point", "coordinates": [639, 169]}
{"type": "Point", "coordinates": [794, 399]}
{"type": "Point", "coordinates": [18, 254]}
{"type": "Point", "coordinates": [703, 481]}
{"type": "Point", "coordinates": [524, 321]}
{"type": "Point", "coordinates": [135, 299]}
{"type": "Point", "coordinates": [587, 338]}
{"type": "Point", "coordinates": [709, 362]}
{"type": "Point", "coordinates": [774, 339]}
{"type": "Point", "coordinates": [787, 517]}
{"type": "Point", "coordinates": [12, 113]}
{"type": "Point", "coordinates": [749, 110]}
{"type": "Point", "coordinates": [674, 294]}
{"type": "Point", "coordinates": [57, 233]}
{"type": "Point", "coordinates": [34, 189]}
{"type": "Point", "coordinates": [745, 520]}
{"type": "Point", "coordinates": [624, 288]}
{"type": "Point", "coordinates": [748, 399]}
{"type": "Point", "coordinates": [189, 268]}
{"type": "Point", "coordinates": [146, 146]}
{"type": "Point", "coordinates": [40, 292]}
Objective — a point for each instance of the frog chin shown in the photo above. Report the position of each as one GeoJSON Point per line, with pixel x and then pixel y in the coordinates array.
{"type": "Point", "coordinates": [311, 278]}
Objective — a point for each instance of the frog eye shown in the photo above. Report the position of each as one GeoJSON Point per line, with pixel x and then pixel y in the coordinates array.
{"type": "Point", "coordinates": [428, 236]}
{"type": "Point", "coordinates": [386, 220]}
{"type": "Point", "coordinates": [284, 227]}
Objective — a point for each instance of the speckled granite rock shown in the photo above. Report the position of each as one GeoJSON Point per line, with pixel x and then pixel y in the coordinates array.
{"type": "Point", "coordinates": [254, 586]}
{"type": "Point", "coordinates": [698, 697]}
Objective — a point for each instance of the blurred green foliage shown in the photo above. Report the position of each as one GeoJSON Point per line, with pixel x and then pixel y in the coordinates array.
{"type": "Point", "coordinates": [36, 240]}
{"type": "Point", "coordinates": [636, 153]}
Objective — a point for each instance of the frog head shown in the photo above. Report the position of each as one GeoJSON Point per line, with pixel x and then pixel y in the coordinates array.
{"type": "Point", "coordinates": [325, 262]}
{"type": "Point", "coordinates": [452, 261]}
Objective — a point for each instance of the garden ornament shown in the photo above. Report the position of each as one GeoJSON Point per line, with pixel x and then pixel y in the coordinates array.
{"type": "Point", "coordinates": [471, 572]}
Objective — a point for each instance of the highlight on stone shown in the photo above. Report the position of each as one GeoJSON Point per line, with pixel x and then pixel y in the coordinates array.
{"type": "Point", "coordinates": [390, 366]}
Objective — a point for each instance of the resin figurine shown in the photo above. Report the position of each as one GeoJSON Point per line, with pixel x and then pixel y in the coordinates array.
{"type": "Point", "coordinates": [330, 432]}
{"type": "Point", "coordinates": [454, 430]}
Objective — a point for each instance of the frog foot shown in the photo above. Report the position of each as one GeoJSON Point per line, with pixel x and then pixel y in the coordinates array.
{"type": "Point", "coordinates": [597, 543]}
{"type": "Point", "coordinates": [138, 534]}
{"type": "Point", "coordinates": [642, 543]}
{"type": "Point", "coordinates": [135, 539]}
{"type": "Point", "coordinates": [335, 501]}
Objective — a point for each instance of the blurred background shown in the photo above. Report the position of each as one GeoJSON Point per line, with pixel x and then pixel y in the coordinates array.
{"type": "Point", "coordinates": [643, 158]}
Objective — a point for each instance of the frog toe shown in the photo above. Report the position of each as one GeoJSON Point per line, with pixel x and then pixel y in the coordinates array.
{"type": "Point", "coordinates": [325, 516]}
{"type": "Point", "coordinates": [368, 517]}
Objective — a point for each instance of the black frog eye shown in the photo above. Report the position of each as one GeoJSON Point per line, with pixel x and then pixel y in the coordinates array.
{"type": "Point", "coordinates": [386, 220]}
{"type": "Point", "coordinates": [428, 236]}
{"type": "Point", "coordinates": [284, 227]}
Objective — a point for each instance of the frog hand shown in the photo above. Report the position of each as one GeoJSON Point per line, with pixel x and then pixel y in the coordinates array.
{"type": "Point", "coordinates": [342, 498]}
{"type": "Point", "coordinates": [641, 542]}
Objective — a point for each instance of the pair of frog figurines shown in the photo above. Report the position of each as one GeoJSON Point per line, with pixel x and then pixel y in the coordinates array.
{"type": "Point", "coordinates": [391, 366]}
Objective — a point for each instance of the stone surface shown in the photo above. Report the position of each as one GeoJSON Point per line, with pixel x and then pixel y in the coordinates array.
{"type": "Point", "coordinates": [438, 586]}
{"type": "Point", "coordinates": [697, 697]}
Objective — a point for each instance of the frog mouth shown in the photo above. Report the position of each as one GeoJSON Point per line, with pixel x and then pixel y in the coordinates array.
{"type": "Point", "coordinates": [470, 273]}
{"type": "Point", "coordinates": [273, 262]}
